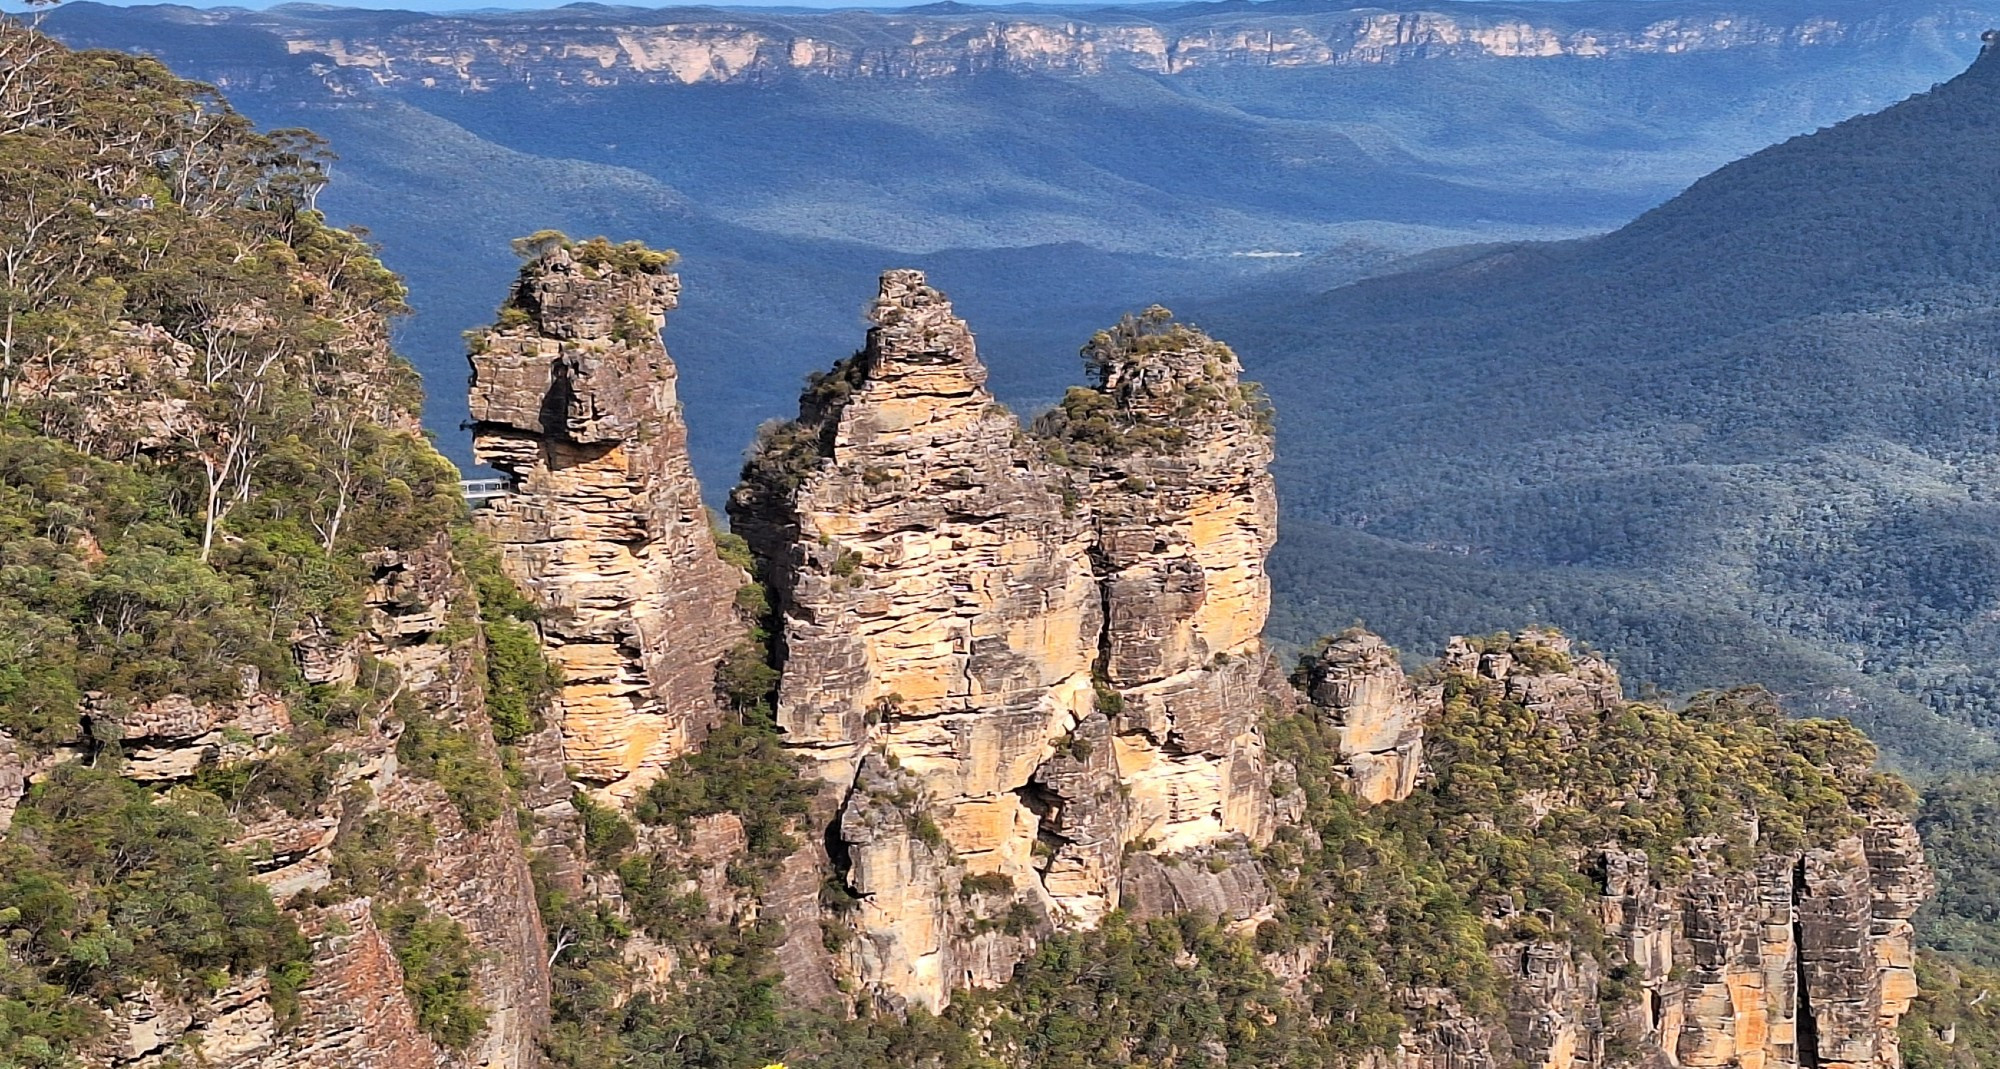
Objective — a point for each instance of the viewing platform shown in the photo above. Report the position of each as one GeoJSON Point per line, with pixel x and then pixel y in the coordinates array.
{"type": "Point", "coordinates": [479, 491]}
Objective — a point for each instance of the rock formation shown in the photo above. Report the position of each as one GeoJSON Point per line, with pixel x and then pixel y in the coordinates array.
{"type": "Point", "coordinates": [1801, 958]}
{"type": "Point", "coordinates": [937, 614]}
{"type": "Point", "coordinates": [353, 1012]}
{"type": "Point", "coordinates": [1171, 454]}
{"type": "Point", "coordinates": [1358, 685]}
{"type": "Point", "coordinates": [466, 53]}
{"type": "Point", "coordinates": [1024, 665]}
{"type": "Point", "coordinates": [1034, 669]}
{"type": "Point", "coordinates": [573, 400]}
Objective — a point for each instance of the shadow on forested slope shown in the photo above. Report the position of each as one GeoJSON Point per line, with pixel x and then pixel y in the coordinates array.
{"type": "Point", "coordinates": [1768, 407]}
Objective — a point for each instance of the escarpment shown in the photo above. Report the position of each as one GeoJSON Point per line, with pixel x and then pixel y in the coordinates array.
{"type": "Point", "coordinates": [300, 765]}
{"type": "Point", "coordinates": [592, 49]}
{"type": "Point", "coordinates": [603, 526]}
{"type": "Point", "coordinates": [1022, 675]}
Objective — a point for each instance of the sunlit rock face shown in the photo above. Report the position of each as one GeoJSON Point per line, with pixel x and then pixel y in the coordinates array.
{"type": "Point", "coordinates": [573, 400]}
{"type": "Point", "coordinates": [1027, 664]}
{"type": "Point", "coordinates": [462, 54]}
{"type": "Point", "coordinates": [954, 619]}
{"type": "Point", "coordinates": [1360, 687]}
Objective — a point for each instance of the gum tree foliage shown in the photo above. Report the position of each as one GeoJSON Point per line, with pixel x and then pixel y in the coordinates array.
{"type": "Point", "coordinates": [203, 436]}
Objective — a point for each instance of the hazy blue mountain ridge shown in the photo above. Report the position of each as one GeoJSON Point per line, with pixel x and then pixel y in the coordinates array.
{"type": "Point", "coordinates": [1754, 433]}
{"type": "Point", "coordinates": [1046, 202]}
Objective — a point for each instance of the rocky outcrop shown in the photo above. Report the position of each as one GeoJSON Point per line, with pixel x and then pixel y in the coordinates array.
{"type": "Point", "coordinates": [573, 400]}
{"type": "Point", "coordinates": [1799, 958]}
{"type": "Point", "coordinates": [1029, 668]}
{"type": "Point", "coordinates": [1358, 685]}
{"type": "Point", "coordinates": [578, 49]}
{"type": "Point", "coordinates": [937, 610]}
{"type": "Point", "coordinates": [1172, 455]}
{"type": "Point", "coordinates": [168, 739]}
{"type": "Point", "coordinates": [1060, 659]}
{"type": "Point", "coordinates": [474, 873]}
{"type": "Point", "coordinates": [353, 1011]}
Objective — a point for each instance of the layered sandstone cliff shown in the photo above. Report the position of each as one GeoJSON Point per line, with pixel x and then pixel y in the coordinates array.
{"type": "Point", "coordinates": [1784, 957]}
{"type": "Point", "coordinates": [1028, 668]}
{"type": "Point", "coordinates": [581, 49]}
{"type": "Point", "coordinates": [1170, 455]}
{"type": "Point", "coordinates": [1358, 684]}
{"type": "Point", "coordinates": [1021, 674]}
{"type": "Point", "coordinates": [603, 526]}
{"type": "Point", "coordinates": [466, 869]}
{"type": "Point", "coordinates": [938, 622]}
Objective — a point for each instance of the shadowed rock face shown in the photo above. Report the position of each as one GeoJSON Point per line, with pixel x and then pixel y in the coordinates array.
{"type": "Point", "coordinates": [573, 398]}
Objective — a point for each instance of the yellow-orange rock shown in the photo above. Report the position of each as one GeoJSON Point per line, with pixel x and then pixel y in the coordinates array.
{"type": "Point", "coordinates": [603, 524]}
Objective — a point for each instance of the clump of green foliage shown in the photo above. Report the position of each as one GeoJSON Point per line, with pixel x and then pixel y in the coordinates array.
{"type": "Point", "coordinates": [101, 590]}
{"type": "Point", "coordinates": [106, 885]}
{"type": "Point", "coordinates": [294, 780]}
{"type": "Point", "coordinates": [452, 757]}
{"type": "Point", "coordinates": [1155, 379]}
{"type": "Point", "coordinates": [627, 257]}
{"type": "Point", "coordinates": [437, 961]}
{"type": "Point", "coordinates": [743, 768]}
{"type": "Point", "coordinates": [1959, 1002]}
{"type": "Point", "coordinates": [373, 851]}
{"type": "Point", "coordinates": [520, 678]}
{"type": "Point", "coordinates": [1389, 911]}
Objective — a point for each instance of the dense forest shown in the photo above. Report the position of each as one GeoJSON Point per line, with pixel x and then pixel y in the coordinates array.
{"type": "Point", "coordinates": [210, 470]}
{"type": "Point", "coordinates": [1749, 435]}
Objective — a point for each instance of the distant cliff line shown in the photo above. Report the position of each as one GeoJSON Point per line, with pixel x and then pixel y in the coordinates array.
{"type": "Point", "coordinates": [586, 47]}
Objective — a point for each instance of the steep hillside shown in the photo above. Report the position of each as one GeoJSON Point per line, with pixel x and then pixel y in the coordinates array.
{"type": "Point", "coordinates": [250, 792]}
{"type": "Point", "coordinates": [1053, 169]}
{"type": "Point", "coordinates": [1766, 405]}
{"type": "Point", "coordinates": [966, 750]}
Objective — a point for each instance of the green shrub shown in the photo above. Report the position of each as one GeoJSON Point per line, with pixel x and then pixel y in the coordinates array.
{"type": "Point", "coordinates": [743, 769]}
{"type": "Point", "coordinates": [437, 961]}
{"type": "Point", "coordinates": [606, 832]}
{"type": "Point", "coordinates": [452, 758]}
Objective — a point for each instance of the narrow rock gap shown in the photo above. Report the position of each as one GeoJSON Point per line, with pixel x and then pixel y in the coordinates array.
{"type": "Point", "coordinates": [1807, 1029]}
{"type": "Point", "coordinates": [839, 861]}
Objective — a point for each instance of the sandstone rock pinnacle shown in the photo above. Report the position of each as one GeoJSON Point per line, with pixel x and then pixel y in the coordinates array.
{"type": "Point", "coordinates": [573, 399]}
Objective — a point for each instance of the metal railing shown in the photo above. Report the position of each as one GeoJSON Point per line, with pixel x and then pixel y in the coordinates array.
{"type": "Point", "coordinates": [478, 490]}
